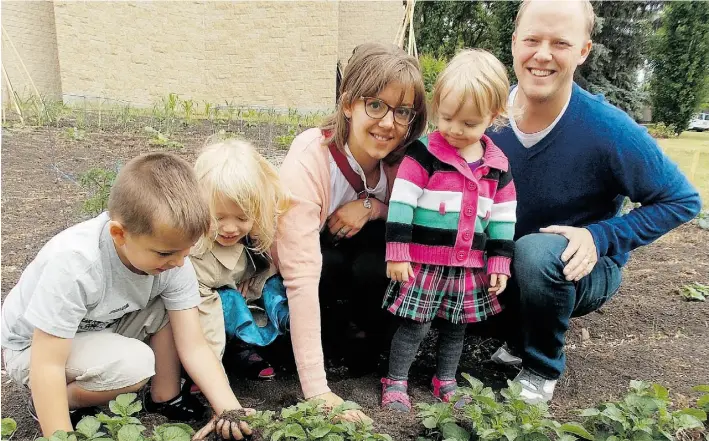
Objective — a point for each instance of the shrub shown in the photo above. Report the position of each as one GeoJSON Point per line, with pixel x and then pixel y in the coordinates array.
{"type": "Point", "coordinates": [661, 131]}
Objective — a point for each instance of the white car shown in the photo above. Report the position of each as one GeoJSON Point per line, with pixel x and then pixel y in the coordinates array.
{"type": "Point", "coordinates": [700, 122]}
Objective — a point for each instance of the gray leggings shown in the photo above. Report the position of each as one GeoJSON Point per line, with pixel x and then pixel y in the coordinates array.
{"type": "Point", "coordinates": [409, 336]}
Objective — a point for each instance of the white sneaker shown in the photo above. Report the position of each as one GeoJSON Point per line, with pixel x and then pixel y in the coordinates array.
{"type": "Point", "coordinates": [535, 389]}
{"type": "Point", "coordinates": [503, 355]}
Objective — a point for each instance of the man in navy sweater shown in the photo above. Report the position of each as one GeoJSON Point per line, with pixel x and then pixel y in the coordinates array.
{"type": "Point", "coordinates": [574, 158]}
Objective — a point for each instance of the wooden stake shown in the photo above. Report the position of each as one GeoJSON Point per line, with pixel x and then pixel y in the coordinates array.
{"type": "Point", "coordinates": [13, 95]}
{"type": "Point", "coordinates": [27, 72]}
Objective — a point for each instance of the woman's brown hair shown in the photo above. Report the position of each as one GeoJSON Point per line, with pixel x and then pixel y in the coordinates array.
{"type": "Point", "coordinates": [371, 68]}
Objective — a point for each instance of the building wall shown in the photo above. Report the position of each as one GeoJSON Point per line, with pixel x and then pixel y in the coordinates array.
{"type": "Point", "coordinates": [248, 53]}
{"type": "Point", "coordinates": [271, 54]}
{"type": "Point", "coordinates": [362, 21]}
{"type": "Point", "coordinates": [30, 27]}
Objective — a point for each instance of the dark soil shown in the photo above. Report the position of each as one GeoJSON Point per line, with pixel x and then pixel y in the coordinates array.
{"type": "Point", "coordinates": [646, 332]}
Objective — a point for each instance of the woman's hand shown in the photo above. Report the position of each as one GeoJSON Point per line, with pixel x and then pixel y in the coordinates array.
{"type": "Point", "coordinates": [347, 220]}
{"type": "Point", "coordinates": [399, 271]}
{"type": "Point", "coordinates": [332, 400]}
{"type": "Point", "coordinates": [228, 426]}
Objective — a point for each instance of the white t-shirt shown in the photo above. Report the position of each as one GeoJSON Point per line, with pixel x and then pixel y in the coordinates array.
{"type": "Point", "coordinates": [529, 139]}
{"type": "Point", "coordinates": [341, 192]}
{"type": "Point", "coordinates": [78, 283]}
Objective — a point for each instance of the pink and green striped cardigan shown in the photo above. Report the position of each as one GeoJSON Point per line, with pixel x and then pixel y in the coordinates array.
{"type": "Point", "coordinates": [442, 213]}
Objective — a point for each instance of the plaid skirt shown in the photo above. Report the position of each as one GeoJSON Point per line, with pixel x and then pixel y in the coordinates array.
{"type": "Point", "coordinates": [456, 294]}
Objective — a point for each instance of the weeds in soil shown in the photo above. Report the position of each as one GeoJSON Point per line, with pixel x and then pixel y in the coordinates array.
{"type": "Point", "coordinates": [284, 141]}
{"type": "Point", "coordinates": [74, 133]}
{"type": "Point", "coordinates": [97, 182]}
{"type": "Point", "coordinates": [695, 292]}
{"type": "Point", "coordinates": [158, 139]}
{"type": "Point", "coordinates": [9, 426]}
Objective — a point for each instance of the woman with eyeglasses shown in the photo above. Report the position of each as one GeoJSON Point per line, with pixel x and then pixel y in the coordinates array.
{"type": "Point", "coordinates": [330, 247]}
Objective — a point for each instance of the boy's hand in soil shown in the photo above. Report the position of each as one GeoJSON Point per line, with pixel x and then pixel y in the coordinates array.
{"type": "Point", "coordinates": [498, 283]}
{"type": "Point", "coordinates": [399, 271]}
{"type": "Point", "coordinates": [228, 425]}
{"type": "Point", "coordinates": [332, 400]}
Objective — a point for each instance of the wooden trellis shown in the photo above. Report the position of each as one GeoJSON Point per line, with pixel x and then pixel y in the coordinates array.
{"type": "Point", "coordinates": [407, 24]}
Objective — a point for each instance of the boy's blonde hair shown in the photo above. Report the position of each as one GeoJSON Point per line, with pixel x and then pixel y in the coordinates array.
{"type": "Point", "coordinates": [475, 74]}
{"type": "Point", "coordinates": [370, 69]}
{"type": "Point", "coordinates": [233, 169]}
{"type": "Point", "coordinates": [158, 188]}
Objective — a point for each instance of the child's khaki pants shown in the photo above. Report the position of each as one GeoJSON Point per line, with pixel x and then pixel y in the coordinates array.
{"type": "Point", "coordinates": [111, 359]}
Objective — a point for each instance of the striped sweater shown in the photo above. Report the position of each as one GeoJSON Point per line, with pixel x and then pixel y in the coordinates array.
{"type": "Point", "coordinates": [442, 213]}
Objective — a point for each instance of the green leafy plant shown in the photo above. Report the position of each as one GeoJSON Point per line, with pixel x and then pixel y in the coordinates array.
{"type": "Point", "coordinates": [59, 435]}
{"type": "Point", "coordinates": [703, 220]}
{"type": "Point", "coordinates": [431, 67]}
{"type": "Point", "coordinates": [161, 140]}
{"type": "Point", "coordinates": [695, 292]}
{"type": "Point", "coordinates": [74, 133]}
{"type": "Point", "coordinates": [189, 107]}
{"type": "Point", "coordinates": [662, 131]}
{"type": "Point", "coordinates": [284, 141]}
{"type": "Point", "coordinates": [703, 401]}
{"type": "Point", "coordinates": [477, 411]}
{"type": "Point", "coordinates": [311, 421]}
{"type": "Point", "coordinates": [9, 426]}
{"type": "Point", "coordinates": [97, 182]}
{"type": "Point", "coordinates": [642, 415]}
{"type": "Point", "coordinates": [122, 426]}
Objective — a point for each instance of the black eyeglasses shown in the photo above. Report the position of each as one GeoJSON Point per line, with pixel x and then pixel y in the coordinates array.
{"type": "Point", "coordinates": [378, 109]}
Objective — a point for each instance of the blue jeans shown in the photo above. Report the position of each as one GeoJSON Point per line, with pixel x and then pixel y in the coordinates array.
{"type": "Point", "coordinates": [542, 302]}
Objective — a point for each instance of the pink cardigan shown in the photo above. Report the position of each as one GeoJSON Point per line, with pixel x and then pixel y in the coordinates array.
{"type": "Point", "coordinates": [306, 173]}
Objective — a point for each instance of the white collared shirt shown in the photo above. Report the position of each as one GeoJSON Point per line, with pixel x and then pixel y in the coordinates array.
{"type": "Point", "coordinates": [341, 192]}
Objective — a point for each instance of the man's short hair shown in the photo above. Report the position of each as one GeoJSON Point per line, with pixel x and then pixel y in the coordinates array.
{"type": "Point", "coordinates": [158, 188]}
{"type": "Point", "coordinates": [587, 9]}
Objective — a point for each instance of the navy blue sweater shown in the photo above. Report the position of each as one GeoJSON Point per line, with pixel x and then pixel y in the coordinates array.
{"type": "Point", "coordinates": [580, 172]}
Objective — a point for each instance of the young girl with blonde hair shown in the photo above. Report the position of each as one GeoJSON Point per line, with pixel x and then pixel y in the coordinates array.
{"type": "Point", "coordinates": [451, 224]}
{"type": "Point", "coordinates": [232, 262]}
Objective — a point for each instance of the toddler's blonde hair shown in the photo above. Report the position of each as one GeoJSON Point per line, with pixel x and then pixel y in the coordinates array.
{"type": "Point", "coordinates": [234, 170]}
{"type": "Point", "coordinates": [475, 74]}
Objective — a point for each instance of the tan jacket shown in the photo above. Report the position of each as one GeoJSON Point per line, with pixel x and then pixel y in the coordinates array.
{"type": "Point", "coordinates": [226, 267]}
{"type": "Point", "coordinates": [306, 173]}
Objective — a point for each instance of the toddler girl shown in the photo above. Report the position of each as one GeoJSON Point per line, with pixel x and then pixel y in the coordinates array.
{"type": "Point", "coordinates": [451, 224]}
{"type": "Point", "coordinates": [245, 198]}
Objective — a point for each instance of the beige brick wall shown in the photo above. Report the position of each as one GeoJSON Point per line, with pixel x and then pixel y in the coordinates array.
{"type": "Point", "coordinates": [30, 26]}
{"type": "Point", "coordinates": [271, 54]}
{"type": "Point", "coordinates": [361, 21]}
{"type": "Point", "coordinates": [251, 53]}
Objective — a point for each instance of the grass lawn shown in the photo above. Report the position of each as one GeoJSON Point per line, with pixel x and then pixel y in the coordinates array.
{"type": "Point", "coordinates": [683, 151]}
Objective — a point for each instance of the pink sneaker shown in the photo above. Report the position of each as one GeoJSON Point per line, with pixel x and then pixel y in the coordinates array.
{"type": "Point", "coordinates": [395, 396]}
{"type": "Point", "coordinates": [444, 389]}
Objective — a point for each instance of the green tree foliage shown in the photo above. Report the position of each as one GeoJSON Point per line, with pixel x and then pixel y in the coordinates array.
{"type": "Point", "coordinates": [680, 63]}
{"type": "Point", "coordinates": [443, 28]}
{"type": "Point", "coordinates": [620, 46]}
